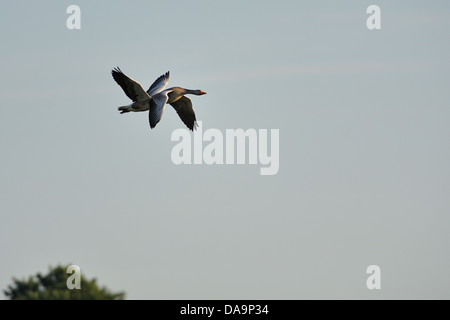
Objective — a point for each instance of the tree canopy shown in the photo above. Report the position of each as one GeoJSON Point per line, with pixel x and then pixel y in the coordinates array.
{"type": "Point", "coordinates": [53, 286]}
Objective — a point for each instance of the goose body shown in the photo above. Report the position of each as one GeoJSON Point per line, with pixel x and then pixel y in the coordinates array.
{"type": "Point", "coordinates": [156, 98]}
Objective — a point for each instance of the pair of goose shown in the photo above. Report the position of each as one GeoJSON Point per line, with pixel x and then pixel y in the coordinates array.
{"type": "Point", "coordinates": [156, 98]}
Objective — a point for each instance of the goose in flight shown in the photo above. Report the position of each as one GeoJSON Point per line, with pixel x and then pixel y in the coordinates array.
{"type": "Point", "coordinates": [156, 98]}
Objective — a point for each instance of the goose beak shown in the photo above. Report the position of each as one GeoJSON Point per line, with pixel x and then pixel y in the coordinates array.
{"type": "Point", "coordinates": [202, 92]}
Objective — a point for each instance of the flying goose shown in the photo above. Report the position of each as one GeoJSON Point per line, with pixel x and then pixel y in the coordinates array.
{"type": "Point", "coordinates": [156, 98]}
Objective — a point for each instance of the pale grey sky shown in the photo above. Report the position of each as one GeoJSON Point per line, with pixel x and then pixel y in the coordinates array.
{"type": "Point", "coordinates": [364, 122]}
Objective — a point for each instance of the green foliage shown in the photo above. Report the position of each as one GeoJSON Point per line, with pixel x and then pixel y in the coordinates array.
{"type": "Point", "coordinates": [52, 286]}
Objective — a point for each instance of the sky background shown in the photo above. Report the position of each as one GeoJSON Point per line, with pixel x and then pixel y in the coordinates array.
{"type": "Point", "coordinates": [364, 120]}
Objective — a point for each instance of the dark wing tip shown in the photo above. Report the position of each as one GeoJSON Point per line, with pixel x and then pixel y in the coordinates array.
{"type": "Point", "coordinates": [152, 119]}
{"type": "Point", "coordinates": [116, 70]}
{"type": "Point", "coordinates": [191, 125]}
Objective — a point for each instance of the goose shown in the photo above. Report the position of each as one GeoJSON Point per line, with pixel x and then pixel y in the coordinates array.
{"type": "Point", "coordinates": [156, 98]}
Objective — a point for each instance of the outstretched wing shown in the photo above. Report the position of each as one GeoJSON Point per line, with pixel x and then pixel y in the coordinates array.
{"type": "Point", "coordinates": [131, 87]}
{"type": "Point", "coordinates": [157, 106]}
{"type": "Point", "coordinates": [159, 84]}
{"type": "Point", "coordinates": [183, 107]}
